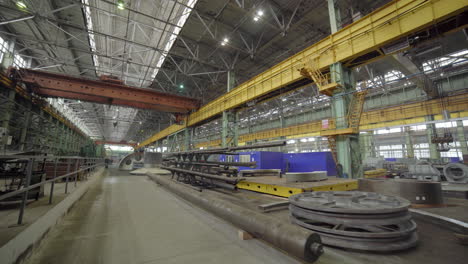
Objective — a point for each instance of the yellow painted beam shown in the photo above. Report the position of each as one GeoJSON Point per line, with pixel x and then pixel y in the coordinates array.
{"type": "Point", "coordinates": [286, 191]}
{"type": "Point", "coordinates": [162, 134]}
{"type": "Point", "coordinates": [391, 22]}
{"type": "Point", "coordinates": [401, 115]}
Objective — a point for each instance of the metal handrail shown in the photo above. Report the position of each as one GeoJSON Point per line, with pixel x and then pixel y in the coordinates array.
{"type": "Point", "coordinates": [30, 187]}
{"type": "Point", "coordinates": [29, 170]}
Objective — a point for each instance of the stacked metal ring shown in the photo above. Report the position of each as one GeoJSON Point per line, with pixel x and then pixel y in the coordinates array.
{"type": "Point", "coordinates": [356, 220]}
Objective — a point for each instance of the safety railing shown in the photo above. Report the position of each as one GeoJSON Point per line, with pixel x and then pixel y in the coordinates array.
{"type": "Point", "coordinates": [75, 166]}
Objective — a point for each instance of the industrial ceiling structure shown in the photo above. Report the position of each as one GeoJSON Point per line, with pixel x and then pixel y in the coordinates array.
{"type": "Point", "coordinates": [184, 47]}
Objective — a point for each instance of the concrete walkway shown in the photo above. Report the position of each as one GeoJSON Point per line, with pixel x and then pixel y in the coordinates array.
{"type": "Point", "coordinates": [129, 219]}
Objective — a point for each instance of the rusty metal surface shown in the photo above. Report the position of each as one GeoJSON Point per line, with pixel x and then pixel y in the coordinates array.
{"type": "Point", "coordinates": [103, 92]}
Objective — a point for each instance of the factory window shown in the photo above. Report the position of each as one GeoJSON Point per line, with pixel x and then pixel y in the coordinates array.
{"type": "Point", "coordinates": [422, 145]}
{"type": "Point", "coordinates": [418, 127]}
{"type": "Point", "coordinates": [119, 148]}
{"type": "Point", "coordinates": [421, 153]}
{"type": "Point", "coordinates": [388, 131]}
{"type": "Point", "coordinates": [456, 58]}
{"type": "Point", "coordinates": [244, 158]}
{"type": "Point", "coordinates": [446, 125]}
{"type": "Point", "coordinates": [3, 48]}
{"type": "Point", "coordinates": [465, 122]}
{"type": "Point", "coordinates": [452, 153]}
{"type": "Point", "coordinates": [19, 62]}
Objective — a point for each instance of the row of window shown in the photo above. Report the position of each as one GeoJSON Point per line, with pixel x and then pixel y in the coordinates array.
{"type": "Point", "coordinates": [18, 61]}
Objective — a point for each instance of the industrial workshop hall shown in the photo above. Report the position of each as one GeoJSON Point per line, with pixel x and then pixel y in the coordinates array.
{"type": "Point", "coordinates": [233, 131]}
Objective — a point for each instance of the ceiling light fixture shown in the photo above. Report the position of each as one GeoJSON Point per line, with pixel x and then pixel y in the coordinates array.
{"type": "Point", "coordinates": [258, 15]}
{"type": "Point", "coordinates": [181, 86]}
{"type": "Point", "coordinates": [21, 4]}
{"type": "Point", "coordinates": [121, 4]}
{"type": "Point", "coordinates": [224, 42]}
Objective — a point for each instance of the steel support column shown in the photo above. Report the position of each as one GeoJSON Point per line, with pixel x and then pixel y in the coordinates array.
{"type": "Point", "coordinates": [431, 132]}
{"type": "Point", "coordinates": [26, 125]}
{"type": "Point", "coordinates": [408, 142]}
{"type": "Point", "coordinates": [368, 145]}
{"type": "Point", "coordinates": [6, 115]}
{"type": "Point", "coordinates": [347, 146]}
{"type": "Point", "coordinates": [461, 138]}
{"type": "Point", "coordinates": [230, 120]}
{"type": "Point", "coordinates": [188, 132]}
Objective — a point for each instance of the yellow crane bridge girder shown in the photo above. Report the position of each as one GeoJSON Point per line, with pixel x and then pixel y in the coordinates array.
{"type": "Point", "coordinates": [407, 114]}
{"type": "Point", "coordinates": [397, 19]}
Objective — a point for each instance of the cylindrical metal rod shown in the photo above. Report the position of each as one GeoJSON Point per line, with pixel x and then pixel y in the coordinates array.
{"type": "Point", "coordinates": [52, 184]}
{"type": "Point", "coordinates": [260, 145]}
{"type": "Point", "coordinates": [224, 150]}
{"type": "Point", "coordinates": [297, 241]}
{"type": "Point", "coordinates": [76, 170]}
{"type": "Point", "coordinates": [223, 185]}
{"type": "Point", "coordinates": [25, 194]}
{"type": "Point", "coordinates": [217, 163]}
{"type": "Point", "coordinates": [204, 175]}
{"type": "Point", "coordinates": [66, 179]}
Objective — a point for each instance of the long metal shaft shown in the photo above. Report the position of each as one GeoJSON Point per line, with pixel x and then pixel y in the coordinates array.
{"type": "Point", "coordinates": [217, 163]}
{"type": "Point", "coordinates": [229, 149]}
{"type": "Point", "coordinates": [233, 180]}
{"type": "Point", "coordinates": [299, 242]}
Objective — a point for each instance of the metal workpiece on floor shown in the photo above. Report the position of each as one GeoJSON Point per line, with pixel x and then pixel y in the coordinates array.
{"type": "Point", "coordinates": [262, 172]}
{"type": "Point", "coordinates": [456, 173]}
{"type": "Point", "coordinates": [294, 240]}
{"type": "Point", "coordinates": [350, 202]}
{"type": "Point", "coordinates": [233, 180]}
{"type": "Point", "coordinates": [356, 220]}
{"type": "Point", "coordinates": [417, 192]}
{"type": "Point", "coordinates": [214, 163]}
{"type": "Point", "coordinates": [305, 176]}
{"type": "Point", "coordinates": [152, 159]}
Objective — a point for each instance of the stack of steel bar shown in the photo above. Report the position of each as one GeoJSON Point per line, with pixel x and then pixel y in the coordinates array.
{"type": "Point", "coordinates": [194, 167]}
{"type": "Point", "coordinates": [356, 220]}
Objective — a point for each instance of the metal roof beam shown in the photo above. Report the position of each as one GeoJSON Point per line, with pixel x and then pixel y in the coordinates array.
{"type": "Point", "coordinates": [103, 92]}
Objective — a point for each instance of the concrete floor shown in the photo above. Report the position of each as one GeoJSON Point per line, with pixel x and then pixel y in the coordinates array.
{"type": "Point", "coordinates": [130, 219]}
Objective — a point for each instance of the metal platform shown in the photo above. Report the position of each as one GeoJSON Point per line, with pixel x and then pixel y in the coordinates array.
{"type": "Point", "coordinates": [279, 187]}
{"type": "Point", "coordinates": [455, 190]}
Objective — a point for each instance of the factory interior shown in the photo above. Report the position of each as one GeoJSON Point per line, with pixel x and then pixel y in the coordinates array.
{"type": "Point", "coordinates": [233, 131]}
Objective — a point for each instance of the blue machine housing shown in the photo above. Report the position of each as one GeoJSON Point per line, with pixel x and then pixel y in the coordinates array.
{"type": "Point", "coordinates": [264, 159]}
{"type": "Point", "coordinates": [292, 162]}
{"type": "Point", "coordinates": [310, 161]}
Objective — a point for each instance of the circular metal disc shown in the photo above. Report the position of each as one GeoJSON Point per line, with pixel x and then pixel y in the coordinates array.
{"type": "Point", "coordinates": [350, 202]}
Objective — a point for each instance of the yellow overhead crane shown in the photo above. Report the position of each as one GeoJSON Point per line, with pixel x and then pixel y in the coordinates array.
{"type": "Point", "coordinates": [405, 114]}
{"type": "Point", "coordinates": [355, 44]}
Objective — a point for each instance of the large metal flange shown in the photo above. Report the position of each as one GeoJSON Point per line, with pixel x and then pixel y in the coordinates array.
{"type": "Point", "coordinates": [396, 230]}
{"type": "Point", "coordinates": [351, 219]}
{"type": "Point", "coordinates": [350, 202]}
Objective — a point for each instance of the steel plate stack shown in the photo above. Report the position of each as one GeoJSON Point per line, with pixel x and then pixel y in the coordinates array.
{"type": "Point", "coordinates": [356, 220]}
